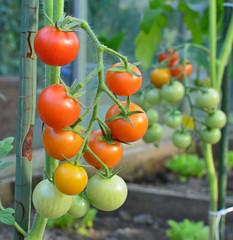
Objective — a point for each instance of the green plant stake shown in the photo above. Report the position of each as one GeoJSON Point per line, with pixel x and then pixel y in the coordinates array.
{"type": "Point", "coordinates": [26, 115]}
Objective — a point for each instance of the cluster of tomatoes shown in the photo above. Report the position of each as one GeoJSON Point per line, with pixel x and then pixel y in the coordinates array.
{"type": "Point", "coordinates": [59, 108]}
{"type": "Point", "coordinates": [168, 87]}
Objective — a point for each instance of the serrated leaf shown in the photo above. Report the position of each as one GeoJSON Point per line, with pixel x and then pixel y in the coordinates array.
{"type": "Point", "coordinates": [5, 146]}
{"type": "Point", "coordinates": [6, 216]}
{"type": "Point", "coordinates": [146, 46]}
{"type": "Point", "coordinates": [6, 164]}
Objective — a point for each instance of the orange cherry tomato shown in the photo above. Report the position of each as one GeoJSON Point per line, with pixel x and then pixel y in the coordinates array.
{"type": "Point", "coordinates": [123, 130]}
{"type": "Point", "coordinates": [160, 76]}
{"type": "Point", "coordinates": [178, 71]}
{"type": "Point", "coordinates": [123, 83]}
{"type": "Point", "coordinates": [57, 142]}
{"type": "Point", "coordinates": [109, 154]}
{"type": "Point", "coordinates": [70, 179]}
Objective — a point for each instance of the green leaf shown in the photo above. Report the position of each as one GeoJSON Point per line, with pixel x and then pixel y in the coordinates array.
{"type": "Point", "coordinates": [154, 4]}
{"type": "Point", "coordinates": [161, 20]}
{"type": "Point", "coordinates": [146, 45]}
{"type": "Point", "coordinates": [89, 218]}
{"type": "Point", "coordinates": [5, 146]}
{"type": "Point", "coordinates": [6, 164]}
{"type": "Point", "coordinates": [6, 216]}
{"type": "Point", "coordinates": [3, 97]}
{"type": "Point", "coordinates": [113, 43]}
{"type": "Point", "coordinates": [148, 20]}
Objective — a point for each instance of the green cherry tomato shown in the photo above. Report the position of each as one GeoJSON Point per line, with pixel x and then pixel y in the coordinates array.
{"type": "Point", "coordinates": [140, 100]}
{"type": "Point", "coordinates": [211, 136]}
{"type": "Point", "coordinates": [152, 116]}
{"type": "Point", "coordinates": [173, 119]}
{"type": "Point", "coordinates": [181, 139]}
{"type": "Point", "coordinates": [153, 96]}
{"type": "Point", "coordinates": [208, 99]}
{"type": "Point", "coordinates": [48, 201]}
{"type": "Point", "coordinates": [107, 194]}
{"type": "Point", "coordinates": [216, 119]}
{"type": "Point", "coordinates": [153, 133]}
{"type": "Point", "coordinates": [79, 206]}
{"type": "Point", "coordinates": [173, 92]}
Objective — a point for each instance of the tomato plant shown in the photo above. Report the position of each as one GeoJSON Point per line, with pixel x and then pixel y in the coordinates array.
{"type": "Point", "coordinates": [48, 201]}
{"type": "Point", "coordinates": [153, 133]}
{"type": "Point", "coordinates": [181, 139]}
{"type": "Point", "coordinates": [70, 179]}
{"type": "Point", "coordinates": [61, 144]}
{"type": "Point", "coordinates": [153, 96]}
{"type": "Point", "coordinates": [211, 136]}
{"type": "Point", "coordinates": [207, 99]}
{"type": "Point", "coordinates": [178, 71]}
{"type": "Point", "coordinates": [122, 129]}
{"type": "Point", "coordinates": [160, 76]}
{"type": "Point", "coordinates": [107, 194]}
{"type": "Point", "coordinates": [163, 56]}
{"type": "Point", "coordinates": [110, 153]}
{"type": "Point", "coordinates": [55, 47]}
{"type": "Point", "coordinates": [152, 116]}
{"type": "Point", "coordinates": [123, 83]}
{"type": "Point", "coordinates": [173, 119]}
{"type": "Point", "coordinates": [79, 206]}
{"type": "Point", "coordinates": [215, 119]}
{"type": "Point", "coordinates": [172, 92]}
{"type": "Point", "coordinates": [56, 109]}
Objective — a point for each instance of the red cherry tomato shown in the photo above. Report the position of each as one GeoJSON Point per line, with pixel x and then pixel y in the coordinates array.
{"type": "Point", "coordinates": [165, 55]}
{"type": "Point", "coordinates": [123, 130]}
{"type": "Point", "coordinates": [178, 71]}
{"type": "Point", "coordinates": [123, 83]}
{"type": "Point", "coordinates": [109, 154]}
{"type": "Point", "coordinates": [56, 109]}
{"type": "Point", "coordinates": [54, 47]}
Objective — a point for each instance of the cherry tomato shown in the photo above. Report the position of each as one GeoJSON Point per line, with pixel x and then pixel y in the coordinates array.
{"type": "Point", "coordinates": [109, 153]}
{"type": "Point", "coordinates": [152, 116]}
{"type": "Point", "coordinates": [140, 100]}
{"type": "Point", "coordinates": [58, 142]}
{"type": "Point", "coordinates": [211, 136]}
{"type": "Point", "coordinates": [207, 99]}
{"type": "Point", "coordinates": [55, 47]}
{"type": "Point", "coordinates": [216, 119]}
{"type": "Point", "coordinates": [153, 133]}
{"type": "Point", "coordinates": [56, 109]}
{"type": "Point", "coordinates": [160, 76]}
{"type": "Point", "coordinates": [123, 130]}
{"type": "Point", "coordinates": [172, 92]}
{"type": "Point", "coordinates": [107, 194]}
{"type": "Point", "coordinates": [181, 139]}
{"type": "Point", "coordinates": [153, 96]}
{"type": "Point", "coordinates": [123, 83]}
{"type": "Point", "coordinates": [165, 55]}
{"type": "Point", "coordinates": [70, 179]}
{"type": "Point", "coordinates": [48, 201]}
{"type": "Point", "coordinates": [173, 119]}
{"type": "Point", "coordinates": [79, 206]}
{"type": "Point", "coordinates": [178, 71]}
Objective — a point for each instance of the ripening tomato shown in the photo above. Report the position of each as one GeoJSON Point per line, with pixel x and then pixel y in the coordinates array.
{"type": "Point", "coordinates": [48, 201]}
{"type": "Point", "coordinates": [160, 76]}
{"type": "Point", "coordinates": [70, 179]}
{"type": "Point", "coordinates": [107, 194]}
{"type": "Point", "coordinates": [109, 153]}
{"type": "Point", "coordinates": [123, 130]}
{"type": "Point", "coordinates": [56, 109]}
{"type": "Point", "coordinates": [178, 71]}
{"type": "Point", "coordinates": [165, 55]}
{"type": "Point", "coordinates": [61, 144]}
{"type": "Point", "coordinates": [123, 83]}
{"type": "Point", "coordinates": [55, 47]}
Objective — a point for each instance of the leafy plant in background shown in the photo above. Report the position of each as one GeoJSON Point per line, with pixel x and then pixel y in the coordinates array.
{"type": "Point", "coordinates": [82, 226]}
{"type": "Point", "coordinates": [187, 230]}
{"type": "Point", "coordinates": [187, 165]}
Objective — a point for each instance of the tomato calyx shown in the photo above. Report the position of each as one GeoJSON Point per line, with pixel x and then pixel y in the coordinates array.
{"type": "Point", "coordinates": [111, 174]}
{"type": "Point", "coordinates": [128, 68]}
{"type": "Point", "coordinates": [124, 114]}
